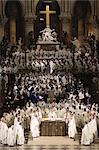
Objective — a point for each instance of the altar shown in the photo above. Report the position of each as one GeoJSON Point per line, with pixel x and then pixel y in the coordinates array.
{"type": "Point", "coordinates": [47, 39]}
{"type": "Point", "coordinates": [48, 46]}
{"type": "Point", "coordinates": [53, 128]}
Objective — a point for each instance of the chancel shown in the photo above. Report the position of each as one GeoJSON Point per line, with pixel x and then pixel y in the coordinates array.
{"type": "Point", "coordinates": [49, 74]}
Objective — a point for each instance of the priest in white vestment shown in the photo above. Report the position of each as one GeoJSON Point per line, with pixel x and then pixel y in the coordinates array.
{"type": "Point", "coordinates": [85, 138]}
{"type": "Point", "coordinates": [39, 114]}
{"type": "Point", "coordinates": [20, 134]}
{"type": "Point", "coordinates": [51, 66]}
{"type": "Point", "coordinates": [18, 131]}
{"type": "Point", "coordinates": [72, 127]}
{"type": "Point", "coordinates": [52, 115]}
{"type": "Point", "coordinates": [90, 131]}
{"type": "Point", "coordinates": [1, 132]}
{"type": "Point", "coordinates": [4, 133]}
{"type": "Point", "coordinates": [11, 137]}
{"type": "Point", "coordinates": [94, 127]}
{"type": "Point", "coordinates": [15, 128]}
{"type": "Point", "coordinates": [34, 126]}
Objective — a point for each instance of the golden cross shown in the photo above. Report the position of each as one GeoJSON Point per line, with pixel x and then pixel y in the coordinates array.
{"type": "Point", "coordinates": [47, 12]}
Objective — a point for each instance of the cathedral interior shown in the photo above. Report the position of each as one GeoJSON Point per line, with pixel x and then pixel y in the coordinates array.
{"type": "Point", "coordinates": [49, 55]}
{"type": "Point", "coordinates": [76, 18]}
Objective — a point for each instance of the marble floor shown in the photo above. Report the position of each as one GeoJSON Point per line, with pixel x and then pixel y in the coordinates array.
{"type": "Point", "coordinates": [52, 143]}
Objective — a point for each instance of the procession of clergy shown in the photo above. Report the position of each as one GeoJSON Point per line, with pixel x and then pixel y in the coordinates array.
{"type": "Point", "coordinates": [16, 126]}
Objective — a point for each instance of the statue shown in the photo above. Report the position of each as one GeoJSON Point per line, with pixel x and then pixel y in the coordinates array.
{"type": "Point", "coordinates": [48, 35]}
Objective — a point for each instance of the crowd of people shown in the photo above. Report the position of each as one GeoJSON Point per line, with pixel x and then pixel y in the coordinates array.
{"type": "Point", "coordinates": [16, 125]}
{"type": "Point", "coordinates": [31, 86]}
{"type": "Point", "coordinates": [35, 61]}
{"type": "Point", "coordinates": [51, 96]}
{"type": "Point", "coordinates": [48, 89]}
{"type": "Point", "coordinates": [82, 57]}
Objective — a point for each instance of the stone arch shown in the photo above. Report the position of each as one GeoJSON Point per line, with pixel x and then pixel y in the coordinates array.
{"type": "Point", "coordinates": [81, 13]}
{"type": "Point", "coordinates": [14, 28]}
{"type": "Point", "coordinates": [74, 2]}
{"type": "Point", "coordinates": [40, 20]}
{"type": "Point", "coordinates": [22, 4]}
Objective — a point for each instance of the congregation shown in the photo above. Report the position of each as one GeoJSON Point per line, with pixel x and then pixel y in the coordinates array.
{"type": "Point", "coordinates": [16, 125]}
{"type": "Point", "coordinates": [48, 90]}
{"type": "Point", "coordinates": [82, 57]}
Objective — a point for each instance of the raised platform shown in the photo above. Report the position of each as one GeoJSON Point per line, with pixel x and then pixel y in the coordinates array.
{"type": "Point", "coordinates": [51, 143]}
{"type": "Point", "coordinates": [48, 45]}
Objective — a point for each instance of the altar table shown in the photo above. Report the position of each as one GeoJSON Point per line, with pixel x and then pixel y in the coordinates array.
{"type": "Point", "coordinates": [53, 128]}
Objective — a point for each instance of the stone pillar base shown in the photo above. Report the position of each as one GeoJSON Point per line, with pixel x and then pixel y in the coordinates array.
{"type": "Point", "coordinates": [13, 30]}
{"type": "Point", "coordinates": [80, 28]}
{"type": "Point", "coordinates": [66, 25]}
{"type": "Point", "coordinates": [29, 25]}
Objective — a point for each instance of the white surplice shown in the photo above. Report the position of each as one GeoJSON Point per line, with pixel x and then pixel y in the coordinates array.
{"type": "Point", "coordinates": [90, 131]}
{"type": "Point", "coordinates": [72, 127]}
{"type": "Point", "coordinates": [85, 138]}
{"type": "Point", "coordinates": [1, 131]}
{"type": "Point", "coordinates": [34, 126]}
{"type": "Point", "coordinates": [11, 137]}
{"type": "Point", "coordinates": [94, 126]}
{"type": "Point", "coordinates": [15, 128]}
{"type": "Point", "coordinates": [4, 133]}
{"type": "Point", "coordinates": [20, 135]}
{"type": "Point", "coordinates": [52, 115]}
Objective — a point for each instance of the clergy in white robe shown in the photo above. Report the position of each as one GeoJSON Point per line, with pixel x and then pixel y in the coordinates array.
{"type": "Point", "coordinates": [34, 126]}
{"type": "Point", "coordinates": [90, 131]}
{"type": "Point", "coordinates": [72, 127]}
{"type": "Point", "coordinates": [15, 128]}
{"type": "Point", "coordinates": [85, 138]}
{"type": "Point", "coordinates": [52, 115]}
{"type": "Point", "coordinates": [51, 66]}
{"type": "Point", "coordinates": [20, 134]}
{"type": "Point", "coordinates": [1, 131]}
{"type": "Point", "coordinates": [94, 128]}
{"type": "Point", "coordinates": [11, 137]}
{"type": "Point", "coordinates": [39, 114]}
{"type": "Point", "coordinates": [4, 133]}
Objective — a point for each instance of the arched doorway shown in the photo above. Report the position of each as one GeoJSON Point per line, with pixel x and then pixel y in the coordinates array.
{"type": "Point", "coordinates": [80, 20]}
{"type": "Point", "coordinates": [40, 22]}
{"type": "Point", "coordinates": [14, 28]}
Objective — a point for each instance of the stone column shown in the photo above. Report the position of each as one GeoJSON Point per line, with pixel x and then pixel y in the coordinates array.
{"type": "Point", "coordinates": [29, 8]}
{"type": "Point", "coordinates": [66, 25]}
{"type": "Point", "coordinates": [0, 90]}
{"type": "Point", "coordinates": [2, 25]}
{"type": "Point", "coordinates": [34, 5]}
{"type": "Point", "coordinates": [62, 6]}
{"type": "Point", "coordinates": [80, 28]}
{"type": "Point", "coordinates": [66, 16]}
{"type": "Point", "coordinates": [13, 30]}
{"type": "Point", "coordinates": [3, 18]}
{"type": "Point", "coordinates": [1, 31]}
{"type": "Point", "coordinates": [67, 8]}
{"type": "Point", "coordinates": [86, 29]}
{"type": "Point", "coordinates": [28, 25]}
{"type": "Point", "coordinates": [29, 21]}
{"type": "Point", "coordinates": [96, 32]}
{"type": "Point", "coordinates": [1, 28]}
